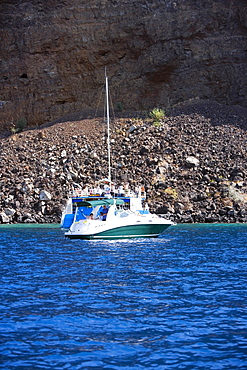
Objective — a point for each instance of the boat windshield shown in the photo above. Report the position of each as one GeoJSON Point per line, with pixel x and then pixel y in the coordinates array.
{"type": "Point", "coordinates": [123, 213]}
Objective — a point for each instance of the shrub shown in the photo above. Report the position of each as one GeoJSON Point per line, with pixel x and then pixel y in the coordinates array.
{"type": "Point", "coordinates": [172, 192]}
{"type": "Point", "coordinates": [21, 124]}
{"type": "Point", "coordinates": [157, 115]}
{"type": "Point", "coordinates": [119, 107]}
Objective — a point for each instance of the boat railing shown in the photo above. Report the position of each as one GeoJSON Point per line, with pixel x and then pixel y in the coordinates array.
{"type": "Point", "coordinates": [125, 194]}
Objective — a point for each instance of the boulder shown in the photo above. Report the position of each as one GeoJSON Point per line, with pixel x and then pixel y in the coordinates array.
{"type": "Point", "coordinates": [45, 195]}
{"type": "Point", "coordinates": [192, 161]}
{"type": "Point", "coordinates": [4, 219]}
{"type": "Point", "coordinates": [9, 212]}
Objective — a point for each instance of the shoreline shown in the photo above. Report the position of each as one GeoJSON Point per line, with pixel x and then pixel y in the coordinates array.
{"type": "Point", "coordinates": [57, 226]}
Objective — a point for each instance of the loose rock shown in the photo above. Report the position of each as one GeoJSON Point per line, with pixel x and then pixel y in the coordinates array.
{"type": "Point", "coordinates": [194, 169]}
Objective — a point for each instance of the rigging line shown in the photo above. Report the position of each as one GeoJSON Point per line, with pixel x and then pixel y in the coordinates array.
{"type": "Point", "coordinates": [108, 128]}
{"type": "Point", "coordinates": [112, 122]}
{"type": "Point", "coordinates": [112, 108]}
{"type": "Point", "coordinates": [99, 100]}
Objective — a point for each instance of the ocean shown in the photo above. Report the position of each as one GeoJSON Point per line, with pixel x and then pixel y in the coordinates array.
{"type": "Point", "coordinates": [176, 302]}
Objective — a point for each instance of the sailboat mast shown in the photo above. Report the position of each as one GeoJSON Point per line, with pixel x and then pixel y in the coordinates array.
{"type": "Point", "coordinates": [108, 127]}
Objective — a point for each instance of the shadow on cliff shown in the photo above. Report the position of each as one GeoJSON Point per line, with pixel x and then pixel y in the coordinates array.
{"type": "Point", "coordinates": [219, 114]}
{"type": "Point", "coordinates": [91, 114]}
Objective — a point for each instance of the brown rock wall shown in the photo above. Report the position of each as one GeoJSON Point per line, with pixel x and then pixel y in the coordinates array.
{"type": "Point", "coordinates": [157, 53]}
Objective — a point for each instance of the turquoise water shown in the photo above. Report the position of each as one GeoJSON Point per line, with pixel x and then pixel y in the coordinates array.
{"type": "Point", "coordinates": [176, 302]}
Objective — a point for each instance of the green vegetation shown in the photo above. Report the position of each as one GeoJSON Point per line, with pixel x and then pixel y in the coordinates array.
{"type": "Point", "coordinates": [157, 115]}
{"type": "Point", "coordinates": [20, 126]}
{"type": "Point", "coordinates": [172, 192]}
{"type": "Point", "coordinates": [119, 107]}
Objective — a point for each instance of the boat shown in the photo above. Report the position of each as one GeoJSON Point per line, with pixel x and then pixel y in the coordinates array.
{"type": "Point", "coordinates": [107, 212]}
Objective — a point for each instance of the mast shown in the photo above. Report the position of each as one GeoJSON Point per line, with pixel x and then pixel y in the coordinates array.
{"type": "Point", "coordinates": [108, 127]}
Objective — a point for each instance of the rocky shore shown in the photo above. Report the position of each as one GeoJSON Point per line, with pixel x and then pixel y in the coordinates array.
{"type": "Point", "coordinates": [193, 164]}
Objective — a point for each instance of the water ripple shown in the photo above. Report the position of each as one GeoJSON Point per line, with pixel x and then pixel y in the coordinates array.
{"type": "Point", "coordinates": [176, 302]}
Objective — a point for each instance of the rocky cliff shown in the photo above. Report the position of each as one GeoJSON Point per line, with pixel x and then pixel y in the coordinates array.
{"type": "Point", "coordinates": [157, 53]}
{"type": "Point", "coordinates": [193, 165]}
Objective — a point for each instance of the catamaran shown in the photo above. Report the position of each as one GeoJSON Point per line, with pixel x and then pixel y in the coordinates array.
{"type": "Point", "coordinates": [104, 212]}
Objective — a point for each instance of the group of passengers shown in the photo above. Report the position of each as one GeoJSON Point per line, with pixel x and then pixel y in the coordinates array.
{"type": "Point", "coordinates": [102, 216]}
{"type": "Point", "coordinates": [112, 190]}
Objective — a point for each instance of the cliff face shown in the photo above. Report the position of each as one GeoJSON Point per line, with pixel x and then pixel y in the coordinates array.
{"type": "Point", "coordinates": [157, 53]}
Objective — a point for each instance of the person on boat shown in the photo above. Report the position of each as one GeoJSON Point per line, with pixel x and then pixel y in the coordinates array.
{"type": "Point", "coordinates": [120, 191]}
{"type": "Point", "coordinates": [85, 191]}
{"type": "Point", "coordinates": [107, 189]}
{"type": "Point", "coordinates": [98, 190]}
{"type": "Point", "coordinates": [104, 213]}
{"type": "Point", "coordinates": [138, 190]}
{"type": "Point", "coordinates": [126, 189]}
{"type": "Point", "coordinates": [90, 217]}
{"type": "Point", "coordinates": [142, 190]}
{"type": "Point", "coordinates": [113, 190]}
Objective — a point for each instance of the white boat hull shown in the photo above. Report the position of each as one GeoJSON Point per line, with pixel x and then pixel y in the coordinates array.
{"type": "Point", "coordinates": [117, 228]}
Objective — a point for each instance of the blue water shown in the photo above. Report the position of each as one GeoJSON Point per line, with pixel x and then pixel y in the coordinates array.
{"type": "Point", "coordinates": [177, 302]}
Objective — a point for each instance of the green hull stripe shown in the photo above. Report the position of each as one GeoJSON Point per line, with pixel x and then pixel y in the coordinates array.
{"type": "Point", "coordinates": [138, 231]}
